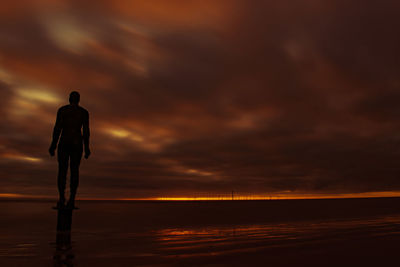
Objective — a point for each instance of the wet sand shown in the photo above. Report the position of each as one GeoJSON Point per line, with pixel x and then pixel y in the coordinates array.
{"type": "Point", "coordinates": [346, 232]}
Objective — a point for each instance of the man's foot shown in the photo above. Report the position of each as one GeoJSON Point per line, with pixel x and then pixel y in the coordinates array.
{"type": "Point", "coordinates": [60, 205]}
{"type": "Point", "coordinates": [71, 205]}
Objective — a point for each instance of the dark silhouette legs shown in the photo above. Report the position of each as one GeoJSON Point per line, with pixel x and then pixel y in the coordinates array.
{"type": "Point", "coordinates": [71, 154]}
{"type": "Point", "coordinates": [75, 162]}
{"type": "Point", "coordinates": [62, 176]}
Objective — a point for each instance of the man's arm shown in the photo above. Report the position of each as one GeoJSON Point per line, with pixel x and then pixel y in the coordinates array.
{"type": "Point", "coordinates": [56, 133]}
{"type": "Point", "coordinates": [86, 134]}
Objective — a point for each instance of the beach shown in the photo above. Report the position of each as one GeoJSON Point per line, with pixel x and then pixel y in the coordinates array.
{"type": "Point", "coordinates": [325, 232]}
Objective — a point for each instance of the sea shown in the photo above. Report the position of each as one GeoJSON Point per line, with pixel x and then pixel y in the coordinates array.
{"type": "Point", "coordinates": [319, 232]}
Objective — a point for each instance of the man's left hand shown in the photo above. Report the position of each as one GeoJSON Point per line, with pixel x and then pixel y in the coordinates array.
{"type": "Point", "coordinates": [52, 151]}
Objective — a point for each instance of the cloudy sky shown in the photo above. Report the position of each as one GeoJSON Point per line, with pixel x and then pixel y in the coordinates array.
{"type": "Point", "coordinates": [203, 97]}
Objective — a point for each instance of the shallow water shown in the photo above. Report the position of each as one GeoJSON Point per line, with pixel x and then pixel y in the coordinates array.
{"type": "Point", "coordinates": [199, 233]}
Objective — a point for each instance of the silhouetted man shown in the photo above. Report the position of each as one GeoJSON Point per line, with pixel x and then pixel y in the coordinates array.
{"type": "Point", "coordinates": [70, 120]}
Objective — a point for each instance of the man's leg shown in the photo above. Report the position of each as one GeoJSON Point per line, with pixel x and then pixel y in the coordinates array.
{"type": "Point", "coordinates": [76, 156]}
{"type": "Point", "coordinates": [62, 156]}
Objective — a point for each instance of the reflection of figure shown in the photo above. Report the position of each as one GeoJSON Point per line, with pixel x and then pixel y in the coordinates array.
{"type": "Point", "coordinates": [63, 255]}
{"type": "Point", "coordinates": [70, 120]}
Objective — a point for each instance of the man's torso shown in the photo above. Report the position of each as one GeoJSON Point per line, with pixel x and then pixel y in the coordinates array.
{"type": "Point", "coordinates": [72, 118]}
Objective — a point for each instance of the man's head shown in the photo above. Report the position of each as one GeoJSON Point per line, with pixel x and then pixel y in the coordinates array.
{"type": "Point", "coordinates": [74, 97]}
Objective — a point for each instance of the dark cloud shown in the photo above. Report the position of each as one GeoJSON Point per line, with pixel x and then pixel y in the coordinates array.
{"type": "Point", "coordinates": [259, 97]}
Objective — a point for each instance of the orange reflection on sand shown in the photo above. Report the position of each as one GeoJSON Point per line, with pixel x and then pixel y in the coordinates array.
{"type": "Point", "coordinates": [214, 232]}
{"type": "Point", "coordinates": [188, 242]}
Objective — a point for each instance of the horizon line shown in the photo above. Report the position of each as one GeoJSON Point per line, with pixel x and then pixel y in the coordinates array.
{"type": "Point", "coordinates": [282, 196]}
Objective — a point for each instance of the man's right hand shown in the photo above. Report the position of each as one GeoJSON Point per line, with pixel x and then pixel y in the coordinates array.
{"type": "Point", "coordinates": [87, 153]}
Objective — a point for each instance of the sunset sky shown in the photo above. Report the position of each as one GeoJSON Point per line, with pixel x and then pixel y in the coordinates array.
{"type": "Point", "coordinates": [203, 97]}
